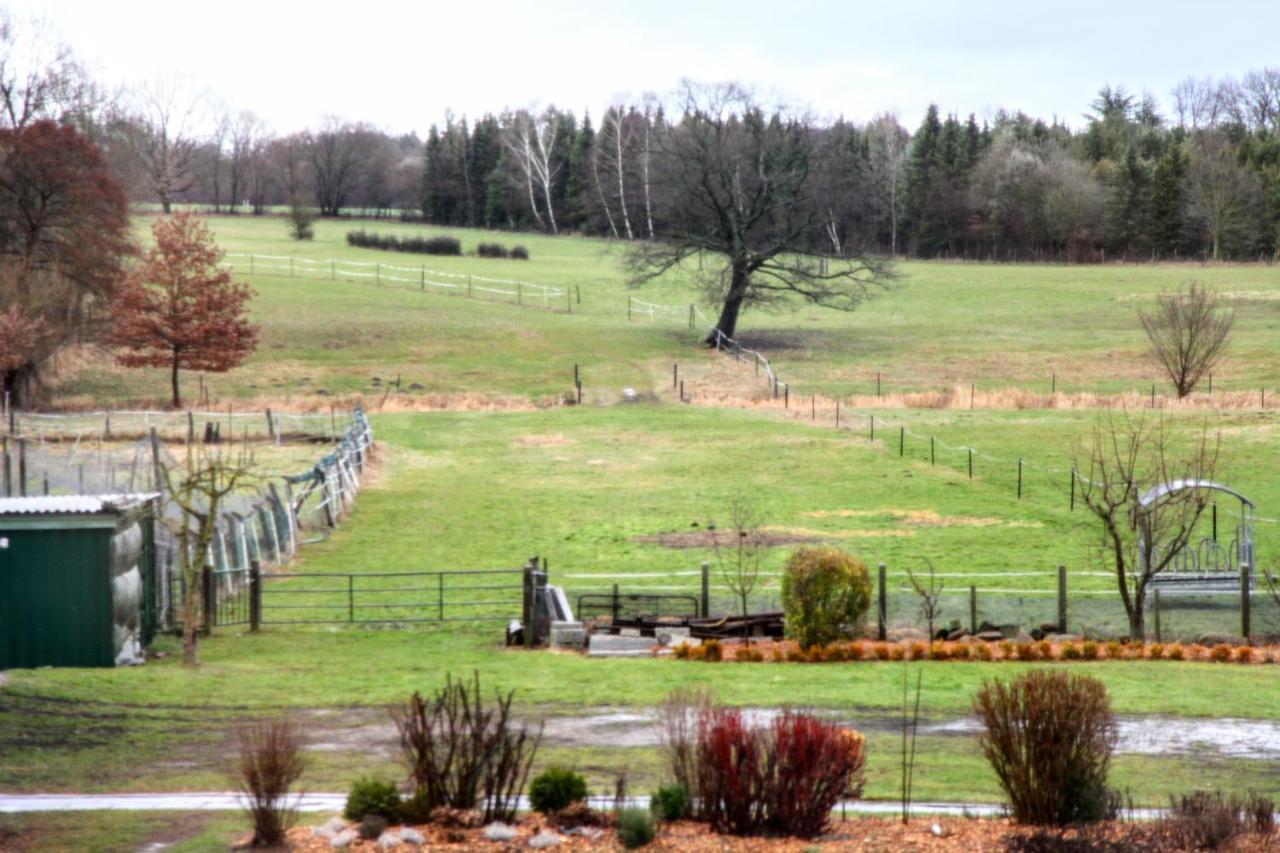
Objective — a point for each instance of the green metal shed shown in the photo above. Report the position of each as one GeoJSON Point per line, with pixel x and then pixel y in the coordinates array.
{"type": "Point", "coordinates": [77, 580]}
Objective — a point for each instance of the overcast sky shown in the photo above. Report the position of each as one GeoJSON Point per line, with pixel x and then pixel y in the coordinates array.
{"type": "Point", "coordinates": [402, 65]}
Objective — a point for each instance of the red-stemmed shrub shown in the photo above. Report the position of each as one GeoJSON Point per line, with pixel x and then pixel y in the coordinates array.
{"type": "Point", "coordinates": [783, 779]}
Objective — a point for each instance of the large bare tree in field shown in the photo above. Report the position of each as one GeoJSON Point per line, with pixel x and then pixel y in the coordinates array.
{"type": "Point", "coordinates": [167, 119]}
{"type": "Point", "coordinates": [741, 199]}
{"type": "Point", "coordinates": [1131, 478]}
{"type": "Point", "coordinates": [1189, 333]}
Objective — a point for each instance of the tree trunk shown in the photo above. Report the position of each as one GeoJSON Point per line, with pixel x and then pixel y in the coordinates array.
{"type": "Point", "coordinates": [1137, 616]}
{"type": "Point", "coordinates": [728, 322]}
{"type": "Point", "coordinates": [177, 396]}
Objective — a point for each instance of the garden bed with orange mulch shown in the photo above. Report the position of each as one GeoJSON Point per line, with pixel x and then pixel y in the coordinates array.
{"type": "Point", "coordinates": [776, 651]}
{"type": "Point", "coordinates": [863, 834]}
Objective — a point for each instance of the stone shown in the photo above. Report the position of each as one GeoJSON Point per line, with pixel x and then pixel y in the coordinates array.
{"type": "Point", "coordinates": [388, 841]}
{"type": "Point", "coordinates": [334, 825]}
{"type": "Point", "coordinates": [344, 839]}
{"type": "Point", "coordinates": [606, 645]}
{"type": "Point", "coordinates": [1063, 638]}
{"type": "Point", "coordinates": [545, 839]}
{"type": "Point", "coordinates": [628, 632]}
{"type": "Point", "coordinates": [409, 835]}
{"type": "Point", "coordinates": [989, 636]}
{"type": "Point", "coordinates": [498, 831]}
{"type": "Point", "coordinates": [590, 833]}
{"type": "Point", "coordinates": [568, 635]}
{"type": "Point", "coordinates": [956, 634]}
{"type": "Point", "coordinates": [1023, 637]}
{"type": "Point", "coordinates": [897, 635]}
{"type": "Point", "coordinates": [671, 636]}
{"type": "Point", "coordinates": [1222, 640]}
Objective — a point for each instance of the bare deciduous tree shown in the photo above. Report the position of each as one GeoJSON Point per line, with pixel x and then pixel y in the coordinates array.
{"type": "Point", "coordinates": [1189, 333]}
{"type": "Point", "coordinates": [739, 558]}
{"type": "Point", "coordinates": [1224, 196]}
{"type": "Point", "coordinates": [198, 487]}
{"type": "Point", "coordinates": [166, 124]}
{"type": "Point", "coordinates": [530, 140]}
{"type": "Point", "coordinates": [741, 191]}
{"type": "Point", "coordinates": [1144, 493]}
{"type": "Point", "coordinates": [930, 594]}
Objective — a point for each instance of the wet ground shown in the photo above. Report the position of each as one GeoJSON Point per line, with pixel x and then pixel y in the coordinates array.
{"type": "Point", "coordinates": [1225, 737]}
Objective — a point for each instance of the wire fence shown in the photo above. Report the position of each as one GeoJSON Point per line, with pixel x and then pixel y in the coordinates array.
{"type": "Point", "coordinates": [207, 425]}
{"type": "Point", "coordinates": [265, 524]}
{"type": "Point", "coordinates": [1044, 602]}
{"type": "Point", "coordinates": [515, 291]}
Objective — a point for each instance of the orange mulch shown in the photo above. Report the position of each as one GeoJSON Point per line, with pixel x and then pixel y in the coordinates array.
{"type": "Point", "coordinates": [862, 834]}
{"type": "Point", "coordinates": [777, 651]}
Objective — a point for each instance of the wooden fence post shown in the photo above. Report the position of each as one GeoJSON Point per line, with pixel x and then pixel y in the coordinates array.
{"type": "Point", "coordinates": [255, 595]}
{"type": "Point", "coordinates": [1155, 606]}
{"type": "Point", "coordinates": [209, 596]}
{"type": "Point", "coordinates": [527, 614]}
{"type": "Point", "coordinates": [973, 609]}
{"type": "Point", "coordinates": [706, 589]}
{"type": "Point", "coordinates": [882, 607]}
{"type": "Point", "coordinates": [1062, 599]}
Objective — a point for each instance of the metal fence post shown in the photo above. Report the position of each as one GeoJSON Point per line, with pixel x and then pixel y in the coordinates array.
{"type": "Point", "coordinates": [882, 609]}
{"type": "Point", "coordinates": [1244, 602]}
{"type": "Point", "coordinates": [255, 596]}
{"type": "Point", "coordinates": [210, 601]}
{"type": "Point", "coordinates": [351, 598]}
{"type": "Point", "coordinates": [706, 588]}
{"type": "Point", "coordinates": [1062, 599]}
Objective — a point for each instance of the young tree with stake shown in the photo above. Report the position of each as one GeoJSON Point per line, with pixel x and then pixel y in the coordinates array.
{"type": "Point", "coordinates": [179, 309]}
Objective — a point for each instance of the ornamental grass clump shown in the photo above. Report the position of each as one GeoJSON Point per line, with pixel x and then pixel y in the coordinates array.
{"type": "Point", "coordinates": [272, 761]}
{"type": "Point", "coordinates": [1049, 737]}
{"type": "Point", "coordinates": [825, 593]}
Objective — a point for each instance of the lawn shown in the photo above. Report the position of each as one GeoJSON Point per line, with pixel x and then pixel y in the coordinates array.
{"type": "Point", "coordinates": [482, 466]}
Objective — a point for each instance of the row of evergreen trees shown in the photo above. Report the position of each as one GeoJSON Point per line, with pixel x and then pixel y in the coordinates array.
{"type": "Point", "coordinates": [1128, 184]}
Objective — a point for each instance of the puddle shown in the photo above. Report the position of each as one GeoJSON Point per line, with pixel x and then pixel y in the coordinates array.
{"type": "Point", "coordinates": [1226, 737]}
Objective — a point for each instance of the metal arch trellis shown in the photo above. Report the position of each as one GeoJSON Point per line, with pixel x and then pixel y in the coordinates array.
{"type": "Point", "coordinates": [1207, 563]}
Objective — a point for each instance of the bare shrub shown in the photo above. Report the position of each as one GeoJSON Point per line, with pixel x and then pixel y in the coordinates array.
{"type": "Point", "coordinates": [464, 754]}
{"type": "Point", "coordinates": [1189, 333]}
{"type": "Point", "coordinates": [1049, 737]}
{"type": "Point", "coordinates": [678, 717]}
{"type": "Point", "coordinates": [271, 762]}
{"type": "Point", "coordinates": [1204, 820]}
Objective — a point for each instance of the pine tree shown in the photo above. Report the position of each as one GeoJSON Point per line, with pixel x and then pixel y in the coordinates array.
{"type": "Point", "coordinates": [925, 187]}
{"type": "Point", "coordinates": [577, 189]}
{"type": "Point", "coordinates": [1168, 201]}
{"type": "Point", "coordinates": [1129, 207]}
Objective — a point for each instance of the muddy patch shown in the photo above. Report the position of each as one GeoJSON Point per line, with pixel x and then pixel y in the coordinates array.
{"type": "Point", "coordinates": [910, 517]}
{"type": "Point", "coordinates": [526, 442]}
{"type": "Point", "coordinates": [725, 538]}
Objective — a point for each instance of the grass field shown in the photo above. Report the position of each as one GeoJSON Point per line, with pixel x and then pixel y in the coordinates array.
{"type": "Point", "coordinates": [481, 467]}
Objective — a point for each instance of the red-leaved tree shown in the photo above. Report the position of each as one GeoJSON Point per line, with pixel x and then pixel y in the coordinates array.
{"type": "Point", "coordinates": [178, 309]}
{"type": "Point", "coordinates": [64, 235]}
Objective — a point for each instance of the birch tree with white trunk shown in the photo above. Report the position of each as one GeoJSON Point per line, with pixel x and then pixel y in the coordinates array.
{"type": "Point", "coordinates": [530, 140]}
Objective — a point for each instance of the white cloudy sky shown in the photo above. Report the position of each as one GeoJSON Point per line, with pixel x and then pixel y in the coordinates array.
{"type": "Point", "coordinates": [402, 65]}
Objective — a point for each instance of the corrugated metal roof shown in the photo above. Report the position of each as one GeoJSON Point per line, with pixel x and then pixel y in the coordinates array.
{"type": "Point", "coordinates": [71, 504]}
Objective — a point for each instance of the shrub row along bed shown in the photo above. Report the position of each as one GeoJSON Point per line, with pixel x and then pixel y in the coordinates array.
{"type": "Point", "coordinates": [771, 651]}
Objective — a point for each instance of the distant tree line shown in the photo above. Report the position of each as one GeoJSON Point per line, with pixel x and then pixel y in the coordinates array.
{"type": "Point", "coordinates": [1201, 180]}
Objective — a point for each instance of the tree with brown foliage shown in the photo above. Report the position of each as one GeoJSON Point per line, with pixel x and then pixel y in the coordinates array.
{"type": "Point", "coordinates": [1132, 483]}
{"type": "Point", "coordinates": [64, 234]}
{"type": "Point", "coordinates": [179, 309]}
{"type": "Point", "coordinates": [1189, 332]}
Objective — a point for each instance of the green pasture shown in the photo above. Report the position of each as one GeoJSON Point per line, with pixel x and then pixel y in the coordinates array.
{"type": "Point", "coordinates": [939, 326]}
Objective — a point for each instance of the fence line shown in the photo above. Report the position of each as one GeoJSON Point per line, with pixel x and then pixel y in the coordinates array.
{"type": "Point", "coordinates": [188, 426]}
{"type": "Point", "coordinates": [524, 293]}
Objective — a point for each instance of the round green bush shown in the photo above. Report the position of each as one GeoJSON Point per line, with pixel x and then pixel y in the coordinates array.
{"type": "Point", "coordinates": [372, 797]}
{"type": "Point", "coordinates": [635, 828]}
{"type": "Point", "coordinates": [824, 591]}
{"type": "Point", "coordinates": [669, 802]}
{"type": "Point", "coordinates": [555, 788]}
